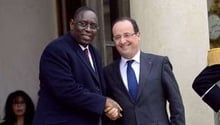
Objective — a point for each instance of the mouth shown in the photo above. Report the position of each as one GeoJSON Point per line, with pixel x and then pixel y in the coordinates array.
{"type": "Point", "coordinates": [125, 46]}
{"type": "Point", "coordinates": [86, 37]}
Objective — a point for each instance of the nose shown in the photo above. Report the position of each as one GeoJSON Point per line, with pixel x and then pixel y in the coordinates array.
{"type": "Point", "coordinates": [88, 28]}
{"type": "Point", "coordinates": [122, 40]}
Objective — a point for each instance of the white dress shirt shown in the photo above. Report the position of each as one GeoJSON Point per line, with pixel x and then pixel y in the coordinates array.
{"type": "Point", "coordinates": [89, 54]}
{"type": "Point", "coordinates": [135, 65]}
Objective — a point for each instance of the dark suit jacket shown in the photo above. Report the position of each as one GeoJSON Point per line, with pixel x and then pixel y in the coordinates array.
{"type": "Point", "coordinates": [70, 91]}
{"type": "Point", "coordinates": [157, 85]}
{"type": "Point", "coordinates": [209, 76]}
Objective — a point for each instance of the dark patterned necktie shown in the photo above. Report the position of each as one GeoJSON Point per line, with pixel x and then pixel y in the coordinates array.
{"type": "Point", "coordinates": [86, 54]}
{"type": "Point", "coordinates": [132, 81]}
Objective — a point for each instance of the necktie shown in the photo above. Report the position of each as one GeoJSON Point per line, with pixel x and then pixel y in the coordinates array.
{"type": "Point", "coordinates": [86, 54]}
{"type": "Point", "coordinates": [132, 81]}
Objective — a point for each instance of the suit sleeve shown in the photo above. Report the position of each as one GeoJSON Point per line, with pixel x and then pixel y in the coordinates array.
{"type": "Point", "coordinates": [58, 79]}
{"type": "Point", "coordinates": [172, 93]}
{"type": "Point", "coordinates": [205, 85]}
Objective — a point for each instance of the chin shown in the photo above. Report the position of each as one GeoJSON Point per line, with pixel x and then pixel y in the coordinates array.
{"type": "Point", "coordinates": [86, 42]}
{"type": "Point", "coordinates": [125, 56]}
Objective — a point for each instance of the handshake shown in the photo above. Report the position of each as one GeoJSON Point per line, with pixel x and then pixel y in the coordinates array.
{"type": "Point", "coordinates": [112, 109]}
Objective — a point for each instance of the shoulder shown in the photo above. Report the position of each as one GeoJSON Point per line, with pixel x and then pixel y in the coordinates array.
{"type": "Point", "coordinates": [154, 57]}
{"type": "Point", "coordinates": [62, 43]}
{"type": "Point", "coordinates": [210, 73]}
{"type": "Point", "coordinates": [157, 60]}
{"type": "Point", "coordinates": [112, 66]}
{"type": "Point", "coordinates": [212, 69]}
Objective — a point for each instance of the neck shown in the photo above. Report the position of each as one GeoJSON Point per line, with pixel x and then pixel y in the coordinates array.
{"type": "Point", "coordinates": [20, 120]}
{"type": "Point", "coordinates": [130, 55]}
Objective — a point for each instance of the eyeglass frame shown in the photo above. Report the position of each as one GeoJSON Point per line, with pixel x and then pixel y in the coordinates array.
{"type": "Point", "coordinates": [85, 25]}
{"type": "Point", "coordinates": [125, 35]}
{"type": "Point", "coordinates": [19, 103]}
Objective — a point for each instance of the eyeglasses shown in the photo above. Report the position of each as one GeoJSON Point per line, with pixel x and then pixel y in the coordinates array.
{"type": "Point", "coordinates": [19, 103]}
{"type": "Point", "coordinates": [125, 36]}
{"type": "Point", "coordinates": [85, 25]}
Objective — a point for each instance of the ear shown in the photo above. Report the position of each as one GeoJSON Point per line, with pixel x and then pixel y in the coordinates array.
{"type": "Point", "coordinates": [138, 34]}
{"type": "Point", "coordinates": [72, 24]}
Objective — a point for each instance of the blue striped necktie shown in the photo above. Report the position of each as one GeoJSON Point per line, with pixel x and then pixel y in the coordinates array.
{"type": "Point", "coordinates": [132, 81]}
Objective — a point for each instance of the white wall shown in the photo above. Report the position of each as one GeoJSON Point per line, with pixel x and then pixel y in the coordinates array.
{"type": "Point", "coordinates": [26, 26]}
{"type": "Point", "coordinates": [178, 29]}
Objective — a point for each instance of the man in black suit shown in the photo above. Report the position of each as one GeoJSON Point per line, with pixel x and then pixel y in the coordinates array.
{"type": "Point", "coordinates": [142, 83]}
{"type": "Point", "coordinates": [72, 86]}
{"type": "Point", "coordinates": [207, 85]}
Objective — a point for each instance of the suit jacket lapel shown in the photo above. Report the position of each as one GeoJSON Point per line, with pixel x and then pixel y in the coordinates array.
{"type": "Point", "coordinates": [145, 68]}
{"type": "Point", "coordinates": [118, 78]}
{"type": "Point", "coordinates": [96, 64]}
{"type": "Point", "coordinates": [81, 56]}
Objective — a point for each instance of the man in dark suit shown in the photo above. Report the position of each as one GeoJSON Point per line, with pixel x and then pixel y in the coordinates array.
{"type": "Point", "coordinates": [71, 82]}
{"type": "Point", "coordinates": [207, 85]}
{"type": "Point", "coordinates": [144, 92]}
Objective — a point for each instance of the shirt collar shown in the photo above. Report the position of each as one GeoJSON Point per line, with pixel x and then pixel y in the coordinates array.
{"type": "Point", "coordinates": [136, 59]}
{"type": "Point", "coordinates": [83, 48]}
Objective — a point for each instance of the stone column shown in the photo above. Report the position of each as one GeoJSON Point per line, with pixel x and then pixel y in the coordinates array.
{"type": "Point", "coordinates": [178, 29]}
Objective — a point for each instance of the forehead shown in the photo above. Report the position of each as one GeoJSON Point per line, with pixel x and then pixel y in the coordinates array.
{"type": "Point", "coordinates": [87, 15]}
{"type": "Point", "coordinates": [18, 98]}
{"type": "Point", "coordinates": [121, 27]}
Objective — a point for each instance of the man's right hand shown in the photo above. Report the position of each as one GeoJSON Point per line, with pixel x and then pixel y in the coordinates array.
{"type": "Point", "coordinates": [112, 109]}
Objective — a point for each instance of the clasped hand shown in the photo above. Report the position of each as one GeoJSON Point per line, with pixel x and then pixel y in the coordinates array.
{"type": "Point", "coordinates": [112, 109]}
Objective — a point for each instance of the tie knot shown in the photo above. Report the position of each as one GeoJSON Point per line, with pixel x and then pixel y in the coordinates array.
{"type": "Point", "coordinates": [86, 50]}
{"type": "Point", "coordinates": [129, 62]}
